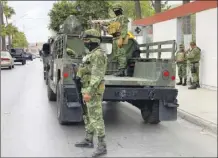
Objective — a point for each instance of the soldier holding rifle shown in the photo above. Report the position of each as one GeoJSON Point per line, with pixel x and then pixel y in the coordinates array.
{"type": "Point", "coordinates": [118, 28]}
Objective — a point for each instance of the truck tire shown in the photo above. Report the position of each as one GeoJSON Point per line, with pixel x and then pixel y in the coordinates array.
{"type": "Point", "coordinates": [51, 94]}
{"type": "Point", "coordinates": [154, 116]}
{"type": "Point", "coordinates": [23, 62]}
{"type": "Point", "coordinates": [145, 112]}
{"type": "Point", "coordinates": [150, 112]}
{"type": "Point", "coordinates": [60, 104]}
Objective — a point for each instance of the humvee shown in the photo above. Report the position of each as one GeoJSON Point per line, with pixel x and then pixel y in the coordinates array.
{"type": "Point", "coordinates": [149, 83]}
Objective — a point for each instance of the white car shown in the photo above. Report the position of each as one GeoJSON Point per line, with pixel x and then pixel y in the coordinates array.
{"type": "Point", "coordinates": [6, 60]}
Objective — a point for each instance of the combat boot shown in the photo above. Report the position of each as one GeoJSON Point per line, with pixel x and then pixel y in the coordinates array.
{"type": "Point", "coordinates": [193, 86]}
{"type": "Point", "coordinates": [87, 142]}
{"type": "Point", "coordinates": [185, 82]}
{"type": "Point", "coordinates": [101, 149]}
{"type": "Point", "coordinates": [120, 73]}
{"type": "Point", "coordinates": [180, 81]}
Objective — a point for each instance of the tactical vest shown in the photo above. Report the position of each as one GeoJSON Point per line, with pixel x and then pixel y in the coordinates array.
{"type": "Point", "coordinates": [197, 56]}
{"type": "Point", "coordinates": [114, 27]}
{"type": "Point", "coordinates": [180, 56]}
{"type": "Point", "coordinates": [84, 73]}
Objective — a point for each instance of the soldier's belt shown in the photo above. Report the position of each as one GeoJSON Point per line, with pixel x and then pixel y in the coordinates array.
{"type": "Point", "coordinates": [195, 62]}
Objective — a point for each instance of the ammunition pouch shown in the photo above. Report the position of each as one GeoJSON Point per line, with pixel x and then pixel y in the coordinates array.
{"type": "Point", "coordinates": [113, 28]}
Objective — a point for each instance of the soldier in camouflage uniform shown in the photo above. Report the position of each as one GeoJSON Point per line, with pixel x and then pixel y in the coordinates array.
{"type": "Point", "coordinates": [194, 57]}
{"type": "Point", "coordinates": [182, 65]}
{"type": "Point", "coordinates": [92, 73]}
{"type": "Point", "coordinates": [118, 49]}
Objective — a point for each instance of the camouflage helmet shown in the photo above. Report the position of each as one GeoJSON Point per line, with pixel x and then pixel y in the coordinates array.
{"type": "Point", "coordinates": [93, 35]}
{"type": "Point", "coordinates": [192, 43]}
{"type": "Point", "coordinates": [181, 46]}
{"type": "Point", "coordinates": [117, 6]}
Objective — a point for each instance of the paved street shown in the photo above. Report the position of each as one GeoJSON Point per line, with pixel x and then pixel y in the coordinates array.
{"type": "Point", "coordinates": [29, 126]}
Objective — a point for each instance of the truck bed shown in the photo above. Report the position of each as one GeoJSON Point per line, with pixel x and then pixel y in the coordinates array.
{"type": "Point", "coordinates": [127, 81]}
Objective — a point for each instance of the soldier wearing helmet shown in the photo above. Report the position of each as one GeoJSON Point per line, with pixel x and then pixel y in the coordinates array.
{"type": "Point", "coordinates": [193, 58]}
{"type": "Point", "coordinates": [91, 73]}
{"type": "Point", "coordinates": [118, 28]}
{"type": "Point", "coordinates": [182, 65]}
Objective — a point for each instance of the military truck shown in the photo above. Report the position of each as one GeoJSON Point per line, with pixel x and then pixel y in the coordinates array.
{"type": "Point", "coordinates": [149, 83]}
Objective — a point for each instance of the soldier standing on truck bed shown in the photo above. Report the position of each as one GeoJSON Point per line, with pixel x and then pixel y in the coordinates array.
{"type": "Point", "coordinates": [118, 28]}
{"type": "Point", "coordinates": [193, 57]}
{"type": "Point", "coordinates": [182, 65]}
{"type": "Point", "coordinates": [92, 73]}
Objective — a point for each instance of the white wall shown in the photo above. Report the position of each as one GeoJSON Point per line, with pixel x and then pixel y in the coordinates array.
{"type": "Point", "coordinates": [166, 30]}
{"type": "Point", "coordinates": [163, 31]}
{"type": "Point", "coordinates": [206, 39]}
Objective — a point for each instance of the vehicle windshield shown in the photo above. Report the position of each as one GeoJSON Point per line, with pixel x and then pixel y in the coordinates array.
{"type": "Point", "coordinates": [17, 51]}
{"type": "Point", "coordinates": [4, 54]}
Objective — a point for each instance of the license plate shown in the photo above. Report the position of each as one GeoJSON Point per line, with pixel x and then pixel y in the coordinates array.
{"type": "Point", "coordinates": [126, 94]}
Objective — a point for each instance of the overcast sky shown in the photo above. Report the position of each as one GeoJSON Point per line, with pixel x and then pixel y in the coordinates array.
{"type": "Point", "coordinates": [32, 18]}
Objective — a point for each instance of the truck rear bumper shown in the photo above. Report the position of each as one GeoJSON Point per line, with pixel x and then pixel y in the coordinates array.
{"type": "Point", "coordinates": [138, 93]}
{"type": "Point", "coordinates": [19, 59]}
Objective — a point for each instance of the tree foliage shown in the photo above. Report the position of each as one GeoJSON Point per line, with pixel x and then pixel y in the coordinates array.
{"type": "Point", "coordinates": [62, 9]}
{"type": "Point", "coordinates": [130, 11]}
{"type": "Point", "coordinates": [160, 6]}
{"type": "Point", "coordinates": [59, 12]}
{"type": "Point", "coordinates": [96, 9]}
{"type": "Point", "coordinates": [8, 11]}
{"type": "Point", "coordinates": [7, 30]}
{"type": "Point", "coordinates": [19, 40]}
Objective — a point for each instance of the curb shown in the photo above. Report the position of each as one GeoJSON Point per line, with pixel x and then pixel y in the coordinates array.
{"type": "Point", "coordinates": [210, 126]}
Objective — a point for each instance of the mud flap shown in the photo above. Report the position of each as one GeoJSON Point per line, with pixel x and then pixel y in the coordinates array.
{"type": "Point", "coordinates": [72, 111]}
{"type": "Point", "coordinates": [167, 111]}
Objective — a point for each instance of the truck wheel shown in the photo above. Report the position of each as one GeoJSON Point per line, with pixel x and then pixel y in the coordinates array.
{"type": "Point", "coordinates": [60, 104]}
{"type": "Point", "coordinates": [154, 117]}
{"type": "Point", "coordinates": [145, 112]}
{"type": "Point", "coordinates": [51, 94]}
{"type": "Point", "coordinates": [23, 62]}
{"type": "Point", "coordinates": [150, 112]}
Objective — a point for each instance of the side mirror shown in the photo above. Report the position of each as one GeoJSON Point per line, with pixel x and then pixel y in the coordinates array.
{"type": "Point", "coordinates": [46, 48]}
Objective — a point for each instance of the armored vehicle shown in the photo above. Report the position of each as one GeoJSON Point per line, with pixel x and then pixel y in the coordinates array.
{"type": "Point", "coordinates": [149, 83]}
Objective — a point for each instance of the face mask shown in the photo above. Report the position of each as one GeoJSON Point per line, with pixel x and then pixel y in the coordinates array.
{"type": "Point", "coordinates": [118, 12]}
{"type": "Point", "coordinates": [90, 46]}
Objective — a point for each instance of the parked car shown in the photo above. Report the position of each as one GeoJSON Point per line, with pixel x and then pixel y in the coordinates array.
{"type": "Point", "coordinates": [34, 56]}
{"type": "Point", "coordinates": [7, 60]}
{"type": "Point", "coordinates": [19, 55]}
{"type": "Point", "coordinates": [28, 56]}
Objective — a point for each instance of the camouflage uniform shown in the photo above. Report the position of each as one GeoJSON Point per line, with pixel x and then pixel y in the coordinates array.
{"type": "Point", "coordinates": [194, 58]}
{"type": "Point", "coordinates": [182, 65]}
{"type": "Point", "coordinates": [92, 72]}
{"type": "Point", "coordinates": [119, 51]}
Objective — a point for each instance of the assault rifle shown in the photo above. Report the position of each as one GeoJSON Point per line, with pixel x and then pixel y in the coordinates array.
{"type": "Point", "coordinates": [78, 86]}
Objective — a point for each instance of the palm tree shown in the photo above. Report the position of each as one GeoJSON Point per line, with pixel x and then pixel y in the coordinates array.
{"type": "Point", "coordinates": [8, 12]}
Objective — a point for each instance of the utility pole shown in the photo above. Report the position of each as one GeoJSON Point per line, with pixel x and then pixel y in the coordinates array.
{"type": "Point", "coordinates": [1, 23]}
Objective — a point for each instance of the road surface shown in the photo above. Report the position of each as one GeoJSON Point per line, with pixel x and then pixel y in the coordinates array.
{"type": "Point", "coordinates": [29, 126]}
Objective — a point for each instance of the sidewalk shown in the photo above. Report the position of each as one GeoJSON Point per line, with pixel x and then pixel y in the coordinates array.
{"type": "Point", "coordinates": [198, 106]}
